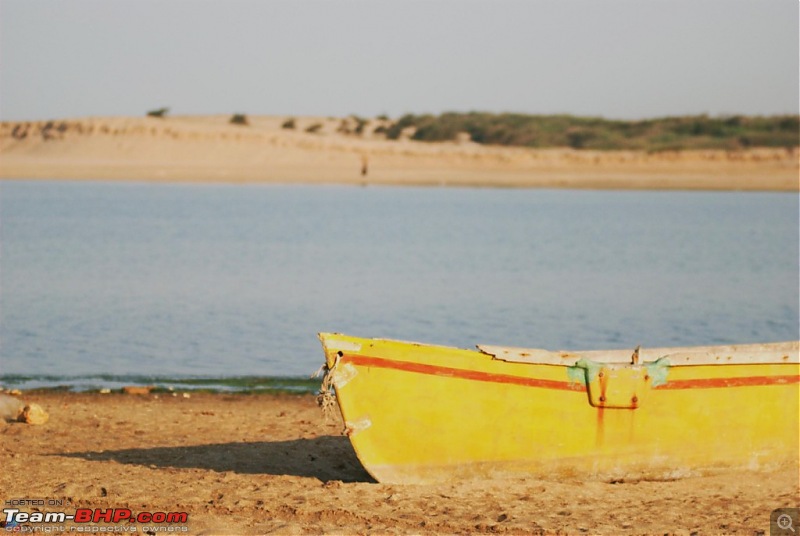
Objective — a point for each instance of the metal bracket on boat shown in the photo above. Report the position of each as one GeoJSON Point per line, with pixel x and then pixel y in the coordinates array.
{"type": "Point", "coordinates": [619, 386]}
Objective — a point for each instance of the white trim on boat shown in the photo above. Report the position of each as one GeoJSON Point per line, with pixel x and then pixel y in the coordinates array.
{"type": "Point", "coordinates": [740, 354]}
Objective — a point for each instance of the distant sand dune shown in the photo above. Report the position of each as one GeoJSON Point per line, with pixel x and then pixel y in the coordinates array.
{"type": "Point", "coordinates": [210, 149]}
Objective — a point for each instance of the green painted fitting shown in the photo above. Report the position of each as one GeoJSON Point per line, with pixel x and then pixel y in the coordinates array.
{"type": "Point", "coordinates": [584, 371]}
{"type": "Point", "coordinates": [576, 374]}
{"type": "Point", "coordinates": [657, 370]}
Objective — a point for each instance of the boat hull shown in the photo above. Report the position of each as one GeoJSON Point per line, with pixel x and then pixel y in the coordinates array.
{"type": "Point", "coordinates": [418, 413]}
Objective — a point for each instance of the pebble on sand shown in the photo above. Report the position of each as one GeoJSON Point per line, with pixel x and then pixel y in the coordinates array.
{"type": "Point", "coordinates": [33, 414]}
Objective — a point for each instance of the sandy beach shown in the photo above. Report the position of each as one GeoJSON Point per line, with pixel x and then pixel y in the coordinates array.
{"type": "Point", "coordinates": [211, 149]}
{"type": "Point", "coordinates": [273, 464]}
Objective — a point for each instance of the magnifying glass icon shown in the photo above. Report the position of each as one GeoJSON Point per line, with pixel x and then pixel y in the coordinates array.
{"type": "Point", "coordinates": [784, 522]}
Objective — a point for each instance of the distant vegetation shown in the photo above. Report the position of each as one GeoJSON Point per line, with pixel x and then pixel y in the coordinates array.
{"type": "Point", "coordinates": [353, 125]}
{"type": "Point", "coordinates": [361, 123]}
{"type": "Point", "coordinates": [663, 134]}
{"type": "Point", "coordinates": [239, 119]}
{"type": "Point", "coordinates": [313, 129]}
{"type": "Point", "coordinates": [289, 123]}
{"type": "Point", "coordinates": [160, 112]}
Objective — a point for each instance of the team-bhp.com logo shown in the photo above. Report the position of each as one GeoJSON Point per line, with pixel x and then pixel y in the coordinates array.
{"type": "Point", "coordinates": [94, 520]}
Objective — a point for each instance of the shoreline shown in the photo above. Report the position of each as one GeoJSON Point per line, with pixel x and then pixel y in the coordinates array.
{"type": "Point", "coordinates": [115, 384]}
{"type": "Point", "coordinates": [273, 464]}
{"type": "Point", "coordinates": [208, 149]}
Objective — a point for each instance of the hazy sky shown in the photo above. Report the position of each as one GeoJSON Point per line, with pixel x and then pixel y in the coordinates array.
{"type": "Point", "coordinates": [613, 58]}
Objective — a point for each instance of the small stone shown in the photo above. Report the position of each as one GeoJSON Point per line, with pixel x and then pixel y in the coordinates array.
{"type": "Point", "coordinates": [10, 408]}
{"type": "Point", "coordinates": [186, 395]}
{"type": "Point", "coordinates": [33, 414]}
{"type": "Point", "coordinates": [105, 391]}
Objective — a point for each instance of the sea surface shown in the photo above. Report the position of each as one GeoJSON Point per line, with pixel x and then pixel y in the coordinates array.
{"type": "Point", "coordinates": [226, 286]}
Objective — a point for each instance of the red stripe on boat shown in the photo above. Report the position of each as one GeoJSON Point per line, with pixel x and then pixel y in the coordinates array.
{"type": "Point", "coordinates": [434, 370]}
{"type": "Point", "coordinates": [710, 383]}
{"type": "Point", "coordinates": [477, 375]}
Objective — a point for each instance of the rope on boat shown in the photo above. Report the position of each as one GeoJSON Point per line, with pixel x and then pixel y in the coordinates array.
{"type": "Point", "coordinates": [326, 398]}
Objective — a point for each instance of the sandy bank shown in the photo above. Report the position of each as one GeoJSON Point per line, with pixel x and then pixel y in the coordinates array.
{"type": "Point", "coordinates": [210, 149]}
{"type": "Point", "coordinates": [260, 464]}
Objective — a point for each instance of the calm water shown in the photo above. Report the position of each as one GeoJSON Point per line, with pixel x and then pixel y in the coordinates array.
{"type": "Point", "coordinates": [111, 283]}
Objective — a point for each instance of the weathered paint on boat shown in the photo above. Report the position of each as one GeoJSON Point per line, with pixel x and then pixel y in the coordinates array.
{"type": "Point", "coordinates": [418, 413]}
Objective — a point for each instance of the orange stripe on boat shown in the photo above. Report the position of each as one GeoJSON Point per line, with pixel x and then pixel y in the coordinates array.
{"type": "Point", "coordinates": [477, 375]}
{"type": "Point", "coordinates": [710, 383]}
{"type": "Point", "coordinates": [435, 370]}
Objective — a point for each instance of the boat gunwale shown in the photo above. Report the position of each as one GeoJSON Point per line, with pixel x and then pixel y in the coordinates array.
{"type": "Point", "coordinates": [775, 353]}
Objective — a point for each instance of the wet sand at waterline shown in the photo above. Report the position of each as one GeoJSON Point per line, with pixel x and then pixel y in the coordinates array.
{"type": "Point", "coordinates": [210, 149]}
{"type": "Point", "coordinates": [273, 464]}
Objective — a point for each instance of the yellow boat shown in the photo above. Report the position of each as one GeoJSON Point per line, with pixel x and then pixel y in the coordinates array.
{"type": "Point", "coordinates": [419, 413]}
